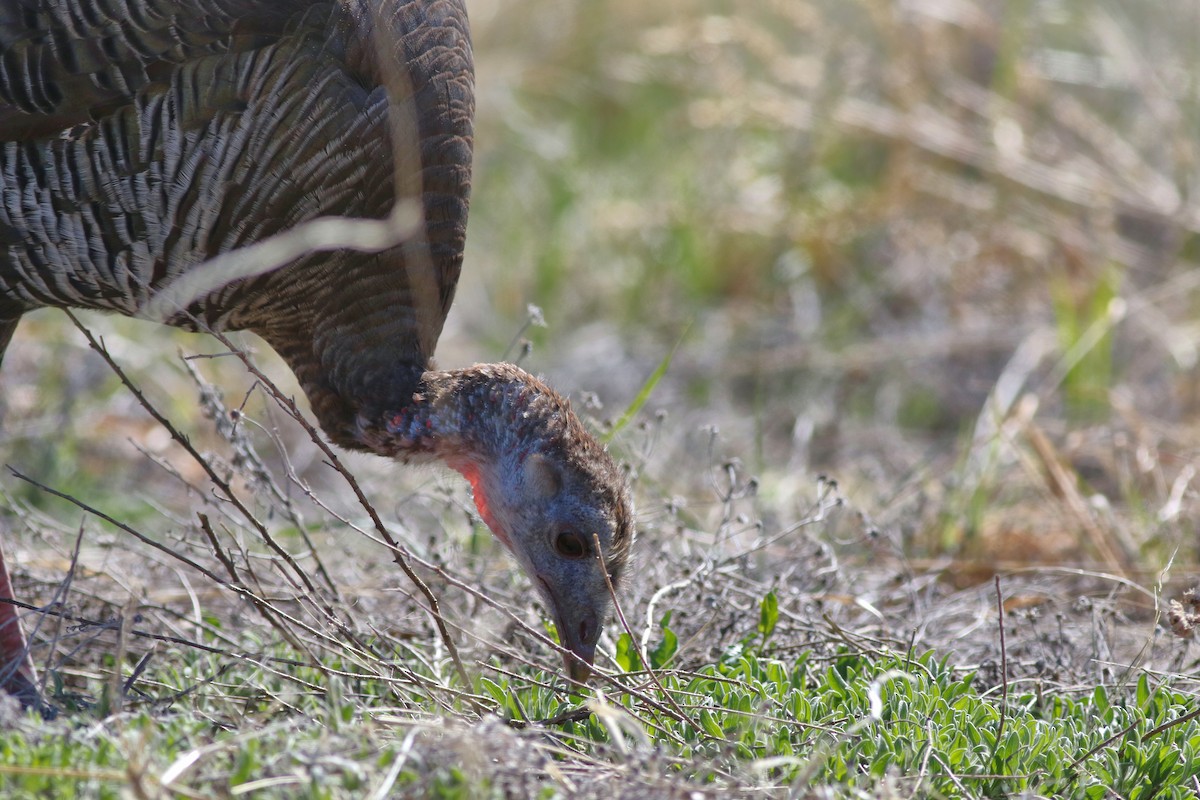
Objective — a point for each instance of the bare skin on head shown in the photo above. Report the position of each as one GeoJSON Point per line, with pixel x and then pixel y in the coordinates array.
{"type": "Point", "coordinates": [215, 124]}
{"type": "Point", "coordinates": [541, 482]}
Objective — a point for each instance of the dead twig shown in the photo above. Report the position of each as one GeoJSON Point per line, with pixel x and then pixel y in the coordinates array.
{"type": "Point", "coordinates": [400, 554]}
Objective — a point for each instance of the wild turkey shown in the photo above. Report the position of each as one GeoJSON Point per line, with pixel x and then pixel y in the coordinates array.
{"type": "Point", "coordinates": [141, 138]}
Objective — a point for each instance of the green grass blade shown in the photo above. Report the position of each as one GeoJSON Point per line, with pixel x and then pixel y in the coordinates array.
{"type": "Point", "coordinates": [647, 389]}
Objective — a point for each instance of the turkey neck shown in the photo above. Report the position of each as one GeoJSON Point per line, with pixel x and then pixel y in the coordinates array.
{"type": "Point", "coordinates": [472, 417]}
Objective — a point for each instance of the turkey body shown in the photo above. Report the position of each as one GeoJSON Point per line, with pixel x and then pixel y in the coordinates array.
{"type": "Point", "coordinates": [136, 149]}
{"type": "Point", "coordinates": [141, 138]}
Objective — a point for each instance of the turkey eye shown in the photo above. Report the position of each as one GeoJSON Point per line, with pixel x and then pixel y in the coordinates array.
{"type": "Point", "coordinates": [570, 545]}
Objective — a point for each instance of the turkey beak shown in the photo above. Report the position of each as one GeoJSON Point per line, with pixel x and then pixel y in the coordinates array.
{"type": "Point", "coordinates": [579, 661]}
{"type": "Point", "coordinates": [578, 631]}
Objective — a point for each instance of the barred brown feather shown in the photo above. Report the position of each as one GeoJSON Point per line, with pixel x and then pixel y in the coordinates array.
{"type": "Point", "coordinates": [143, 138]}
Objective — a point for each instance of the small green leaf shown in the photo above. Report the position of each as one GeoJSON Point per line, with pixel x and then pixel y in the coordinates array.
{"type": "Point", "coordinates": [627, 657]}
{"type": "Point", "coordinates": [662, 654]}
{"type": "Point", "coordinates": [494, 690]}
{"type": "Point", "coordinates": [710, 724]}
{"type": "Point", "coordinates": [768, 615]}
{"type": "Point", "coordinates": [1100, 700]}
{"type": "Point", "coordinates": [1143, 692]}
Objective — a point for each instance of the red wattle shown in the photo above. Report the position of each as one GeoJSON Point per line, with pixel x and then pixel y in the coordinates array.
{"type": "Point", "coordinates": [471, 472]}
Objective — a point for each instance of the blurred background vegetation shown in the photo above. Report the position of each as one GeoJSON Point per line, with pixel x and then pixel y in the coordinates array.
{"type": "Point", "coordinates": [942, 251]}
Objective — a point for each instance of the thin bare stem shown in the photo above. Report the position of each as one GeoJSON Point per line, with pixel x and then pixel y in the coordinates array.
{"type": "Point", "coordinates": [400, 554]}
{"type": "Point", "coordinates": [1003, 664]}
